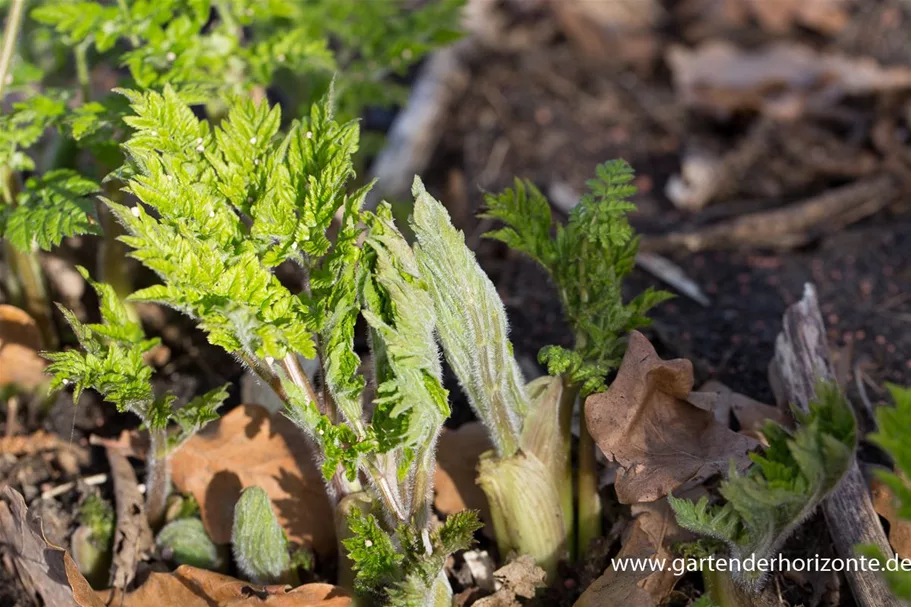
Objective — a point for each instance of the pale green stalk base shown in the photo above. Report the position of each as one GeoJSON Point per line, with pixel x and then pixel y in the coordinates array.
{"type": "Point", "coordinates": [92, 562]}
{"type": "Point", "coordinates": [723, 591]}
{"type": "Point", "coordinates": [525, 507]}
{"type": "Point", "coordinates": [589, 515]}
{"type": "Point", "coordinates": [441, 592]}
{"type": "Point", "coordinates": [158, 480]}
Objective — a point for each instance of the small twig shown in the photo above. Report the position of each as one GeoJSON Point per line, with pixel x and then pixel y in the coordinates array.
{"type": "Point", "coordinates": [801, 360]}
{"type": "Point", "coordinates": [786, 227]}
{"type": "Point", "coordinates": [91, 481]}
{"type": "Point", "coordinates": [673, 275]}
{"type": "Point", "coordinates": [133, 536]}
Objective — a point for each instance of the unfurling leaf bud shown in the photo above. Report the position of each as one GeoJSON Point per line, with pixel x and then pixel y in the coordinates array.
{"type": "Point", "coordinates": [260, 545]}
{"type": "Point", "coordinates": [186, 542]}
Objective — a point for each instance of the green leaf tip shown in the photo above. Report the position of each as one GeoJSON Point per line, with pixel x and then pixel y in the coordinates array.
{"type": "Point", "coordinates": [471, 322]}
{"type": "Point", "coordinates": [259, 542]}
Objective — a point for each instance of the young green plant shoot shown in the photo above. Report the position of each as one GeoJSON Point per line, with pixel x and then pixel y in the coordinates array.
{"type": "Point", "coordinates": [111, 361]}
{"type": "Point", "coordinates": [587, 260]}
{"type": "Point", "coordinates": [781, 488]}
{"type": "Point", "coordinates": [219, 209]}
{"type": "Point", "coordinates": [893, 437]}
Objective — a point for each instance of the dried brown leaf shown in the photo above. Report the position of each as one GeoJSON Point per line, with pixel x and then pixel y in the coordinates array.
{"type": "Point", "coordinates": [660, 441]}
{"type": "Point", "coordinates": [20, 342]}
{"type": "Point", "coordinates": [458, 453]}
{"type": "Point", "coordinates": [520, 578]}
{"type": "Point", "coordinates": [782, 79]}
{"type": "Point", "coordinates": [751, 415]}
{"type": "Point", "coordinates": [885, 504]}
{"type": "Point", "coordinates": [192, 587]}
{"type": "Point", "coordinates": [45, 569]}
{"type": "Point", "coordinates": [249, 447]}
{"type": "Point", "coordinates": [650, 536]}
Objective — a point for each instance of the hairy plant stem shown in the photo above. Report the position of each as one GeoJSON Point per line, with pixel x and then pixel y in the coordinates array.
{"type": "Point", "coordinates": [158, 478]}
{"type": "Point", "coordinates": [723, 591]}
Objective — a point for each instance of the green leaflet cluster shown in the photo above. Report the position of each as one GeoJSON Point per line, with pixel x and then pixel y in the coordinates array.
{"type": "Point", "coordinates": [587, 259]}
{"type": "Point", "coordinates": [111, 361]}
{"type": "Point", "coordinates": [892, 436]}
{"type": "Point", "coordinates": [783, 485]}
{"type": "Point", "coordinates": [403, 573]}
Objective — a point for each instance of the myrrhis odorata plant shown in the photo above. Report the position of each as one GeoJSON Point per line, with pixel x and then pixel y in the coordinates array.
{"type": "Point", "coordinates": [219, 209]}
{"type": "Point", "coordinates": [221, 206]}
{"type": "Point", "coordinates": [61, 128]}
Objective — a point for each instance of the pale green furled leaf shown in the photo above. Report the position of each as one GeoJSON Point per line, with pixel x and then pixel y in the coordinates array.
{"type": "Point", "coordinates": [782, 487]}
{"type": "Point", "coordinates": [53, 206]}
{"type": "Point", "coordinates": [471, 322]}
{"type": "Point", "coordinates": [259, 543]}
{"type": "Point", "coordinates": [186, 542]}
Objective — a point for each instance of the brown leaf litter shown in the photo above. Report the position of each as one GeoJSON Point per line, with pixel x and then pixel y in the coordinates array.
{"type": "Point", "coordinates": [192, 587]}
{"type": "Point", "coordinates": [650, 536]}
{"type": "Point", "coordinates": [248, 447]}
{"type": "Point", "coordinates": [455, 478]}
{"type": "Point", "coordinates": [782, 79]}
{"type": "Point", "coordinates": [47, 571]}
{"type": "Point", "coordinates": [20, 343]}
{"type": "Point", "coordinates": [518, 579]}
{"type": "Point", "coordinates": [661, 442]}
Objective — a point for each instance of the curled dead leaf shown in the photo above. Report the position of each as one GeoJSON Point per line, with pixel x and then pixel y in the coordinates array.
{"type": "Point", "coordinates": [781, 80]}
{"type": "Point", "coordinates": [249, 447]}
{"type": "Point", "coordinates": [45, 570]}
{"type": "Point", "coordinates": [884, 502]}
{"type": "Point", "coordinates": [455, 478]}
{"type": "Point", "coordinates": [650, 536]}
{"type": "Point", "coordinates": [751, 415]}
{"type": "Point", "coordinates": [192, 587]}
{"type": "Point", "coordinates": [661, 442]}
{"type": "Point", "coordinates": [20, 342]}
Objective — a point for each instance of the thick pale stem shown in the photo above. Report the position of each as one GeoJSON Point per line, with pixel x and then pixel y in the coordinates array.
{"type": "Point", "coordinates": [158, 479]}
{"type": "Point", "coordinates": [589, 515]}
{"type": "Point", "coordinates": [525, 508]}
{"type": "Point", "coordinates": [565, 479]}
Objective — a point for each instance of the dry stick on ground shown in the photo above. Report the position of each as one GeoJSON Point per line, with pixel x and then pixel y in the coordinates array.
{"type": "Point", "coordinates": [789, 226]}
{"type": "Point", "coordinates": [133, 536]}
{"type": "Point", "coordinates": [416, 131]}
{"type": "Point", "coordinates": [801, 359]}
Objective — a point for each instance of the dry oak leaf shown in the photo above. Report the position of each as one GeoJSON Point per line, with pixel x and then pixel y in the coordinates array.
{"type": "Point", "coordinates": [20, 342]}
{"type": "Point", "coordinates": [751, 415]}
{"type": "Point", "coordinates": [191, 587]}
{"type": "Point", "coordinates": [455, 477]}
{"type": "Point", "coordinates": [45, 570]}
{"type": "Point", "coordinates": [884, 502]}
{"type": "Point", "coordinates": [249, 447]}
{"type": "Point", "coordinates": [782, 79]}
{"type": "Point", "coordinates": [661, 442]}
{"type": "Point", "coordinates": [650, 535]}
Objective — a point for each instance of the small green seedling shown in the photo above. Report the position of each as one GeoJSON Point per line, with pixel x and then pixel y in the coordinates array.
{"type": "Point", "coordinates": [782, 487]}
